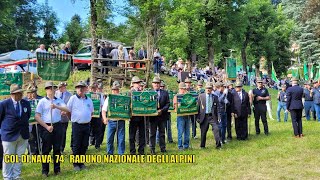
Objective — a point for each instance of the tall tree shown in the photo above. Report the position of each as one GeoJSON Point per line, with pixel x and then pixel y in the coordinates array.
{"type": "Point", "coordinates": [74, 32]}
{"type": "Point", "coordinates": [48, 24]}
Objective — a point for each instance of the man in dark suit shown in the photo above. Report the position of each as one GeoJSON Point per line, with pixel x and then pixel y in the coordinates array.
{"type": "Point", "coordinates": [240, 109]}
{"type": "Point", "coordinates": [14, 117]}
{"type": "Point", "coordinates": [159, 121]}
{"type": "Point", "coordinates": [208, 114]}
{"type": "Point", "coordinates": [294, 105]}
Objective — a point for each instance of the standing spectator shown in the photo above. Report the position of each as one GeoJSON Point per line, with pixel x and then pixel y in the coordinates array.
{"type": "Point", "coordinates": [42, 48]}
{"type": "Point", "coordinates": [62, 49]}
{"type": "Point", "coordinates": [68, 48]}
{"type": "Point", "coordinates": [142, 54]}
{"type": "Point", "coordinates": [132, 55]}
{"type": "Point", "coordinates": [14, 118]}
{"type": "Point", "coordinates": [282, 104]}
{"type": "Point", "coordinates": [115, 56]}
{"type": "Point", "coordinates": [120, 52]}
{"type": "Point", "coordinates": [156, 61]}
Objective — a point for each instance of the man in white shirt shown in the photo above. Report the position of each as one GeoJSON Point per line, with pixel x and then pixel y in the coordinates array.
{"type": "Point", "coordinates": [48, 115]}
{"type": "Point", "coordinates": [42, 48]}
{"type": "Point", "coordinates": [81, 109]}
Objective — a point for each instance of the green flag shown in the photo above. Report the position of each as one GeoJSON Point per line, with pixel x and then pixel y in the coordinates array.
{"type": "Point", "coordinates": [317, 73]}
{"type": "Point", "coordinates": [312, 72]}
{"type": "Point", "coordinates": [119, 107]}
{"type": "Point", "coordinates": [187, 104]}
{"type": "Point", "coordinates": [305, 71]}
{"type": "Point", "coordinates": [231, 68]}
{"type": "Point", "coordinates": [53, 67]}
{"type": "Point", "coordinates": [144, 103]}
{"type": "Point", "coordinates": [6, 80]}
{"type": "Point", "coordinates": [295, 72]}
{"type": "Point", "coordinates": [96, 100]}
{"type": "Point", "coordinates": [274, 75]}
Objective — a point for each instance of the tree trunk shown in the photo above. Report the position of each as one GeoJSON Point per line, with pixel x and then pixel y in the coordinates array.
{"type": "Point", "coordinates": [244, 54]}
{"type": "Point", "coordinates": [94, 43]}
{"type": "Point", "coordinates": [210, 54]}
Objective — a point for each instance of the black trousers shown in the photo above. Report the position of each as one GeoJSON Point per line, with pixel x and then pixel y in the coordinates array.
{"type": "Point", "coordinates": [159, 123]}
{"type": "Point", "coordinates": [241, 124]}
{"type": "Point", "coordinates": [296, 115]}
{"type": "Point", "coordinates": [102, 132]}
{"type": "Point", "coordinates": [80, 139]}
{"type": "Point", "coordinates": [193, 125]}
{"type": "Point", "coordinates": [204, 127]}
{"type": "Point", "coordinates": [33, 143]}
{"type": "Point", "coordinates": [137, 122]}
{"type": "Point", "coordinates": [147, 131]}
{"type": "Point", "coordinates": [95, 132]}
{"type": "Point", "coordinates": [1, 152]}
{"type": "Point", "coordinates": [51, 141]}
{"type": "Point", "coordinates": [229, 120]}
{"type": "Point", "coordinates": [64, 135]}
{"type": "Point", "coordinates": [260, 111]}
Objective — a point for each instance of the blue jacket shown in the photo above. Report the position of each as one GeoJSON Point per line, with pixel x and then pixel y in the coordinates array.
{"type": "Point", "coordinates": [11, 125]}
{"type": "Point", "coordinates": [294, 97]}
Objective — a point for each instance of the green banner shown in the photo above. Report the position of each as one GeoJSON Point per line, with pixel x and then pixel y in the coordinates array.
{"type": "Point", "coordinates": [6, 80]}
{"type": "Point", "coordinates": [33, 104]}
{"type": "Point", "coordinates": [53, 67]}
{"type": "Point", "coordinates": [95, 97]}
{"type": "Point", "coordinates": [295, 72]}
{"type": "Point", "coordinates": [144, 103]}
{"type": "Point", "coordinates": [187, 104]}
{"type": "Point", "coordinates": [118, 107]}
{"type": "Point", "coordinates": [171, 96]}
{"type": "Point", "coordinates": [305, 71]}
{"type": "Point", "coordinates": [231, 68]}
{"type": "Point", "coordinates": [274, 75]}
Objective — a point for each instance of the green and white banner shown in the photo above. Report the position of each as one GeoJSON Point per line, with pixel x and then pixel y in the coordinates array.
{"type": "Point", "coordinates": [144, 103]}
{"type": "Point", "coordinates": [6, 80]}
{"type": "Point", "coordinates": [96, 98]}
{"type": "Point", "coordinates": [53, 67]}
{"type": "Point", "coordinates": [187, 104]}
{"type": "Point", "coordinates": [33, 104]}
{"type": "Point", "coordinates": [118, 107]}
{"type": "Point", "coordinates": [171, 96]}
{"type": "Point", "coordinates": [231, 68]}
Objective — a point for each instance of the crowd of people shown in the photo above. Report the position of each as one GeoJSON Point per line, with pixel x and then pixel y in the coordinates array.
{"type": "Point", "coordinates": [218, 103]}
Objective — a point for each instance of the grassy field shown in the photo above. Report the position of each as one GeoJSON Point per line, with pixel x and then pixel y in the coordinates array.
{"type": "Point", "coordinates": [278, 156]}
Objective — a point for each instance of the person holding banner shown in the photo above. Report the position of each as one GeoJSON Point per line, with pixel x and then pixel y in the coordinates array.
{"type": "Point", "coordinates": [189, 88]}
{"type": "Point", "coordinates": [95, 123]}
{"type": "Point", "coordinates": [65, 95]}
{"type": "Point", "coordinates": [159, 122]}
{"type": "Point", "coordinates": [48, 115]}
{"type": "Point", "coordinates": [208, 115]}
{"type": "Point", "coordinates": [81, 109]}
{"type": "Point", "coordinates": [168, 126]}
{"type": "Point", "coordinates": [241, 109]}
{"type": "Point", "coordinates": [33, 98]}
{"type": "Point", "coordinates": [14, 119]}
{"type": "Point", "coordinates": [136, 123]}
{"type": "Point", "coordinates": [183, 122]}
{"type": "Point", "coordinates": [114, 126]}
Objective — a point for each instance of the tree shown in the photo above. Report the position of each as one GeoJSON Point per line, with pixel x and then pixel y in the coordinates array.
{"type": "Point", "coordinates": [74, 32]}
{"type": "Point", "coordinates": [48, 24]}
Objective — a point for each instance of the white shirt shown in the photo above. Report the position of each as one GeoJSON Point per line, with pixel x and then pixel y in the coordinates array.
{"type": "Point", "coordinates": [44, 109]}
{"type": "Point", "coordinates": [81, 109]}
{"type": "Point", "coordinates": [105, 105]}
{"type": "Point", "coordinates": [41, 50]}
{"type": "Point", "coordinates": [15, 105]}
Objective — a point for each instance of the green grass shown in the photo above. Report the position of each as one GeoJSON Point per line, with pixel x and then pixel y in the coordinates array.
{"type": "Point", "coordinates": [278, 156]}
